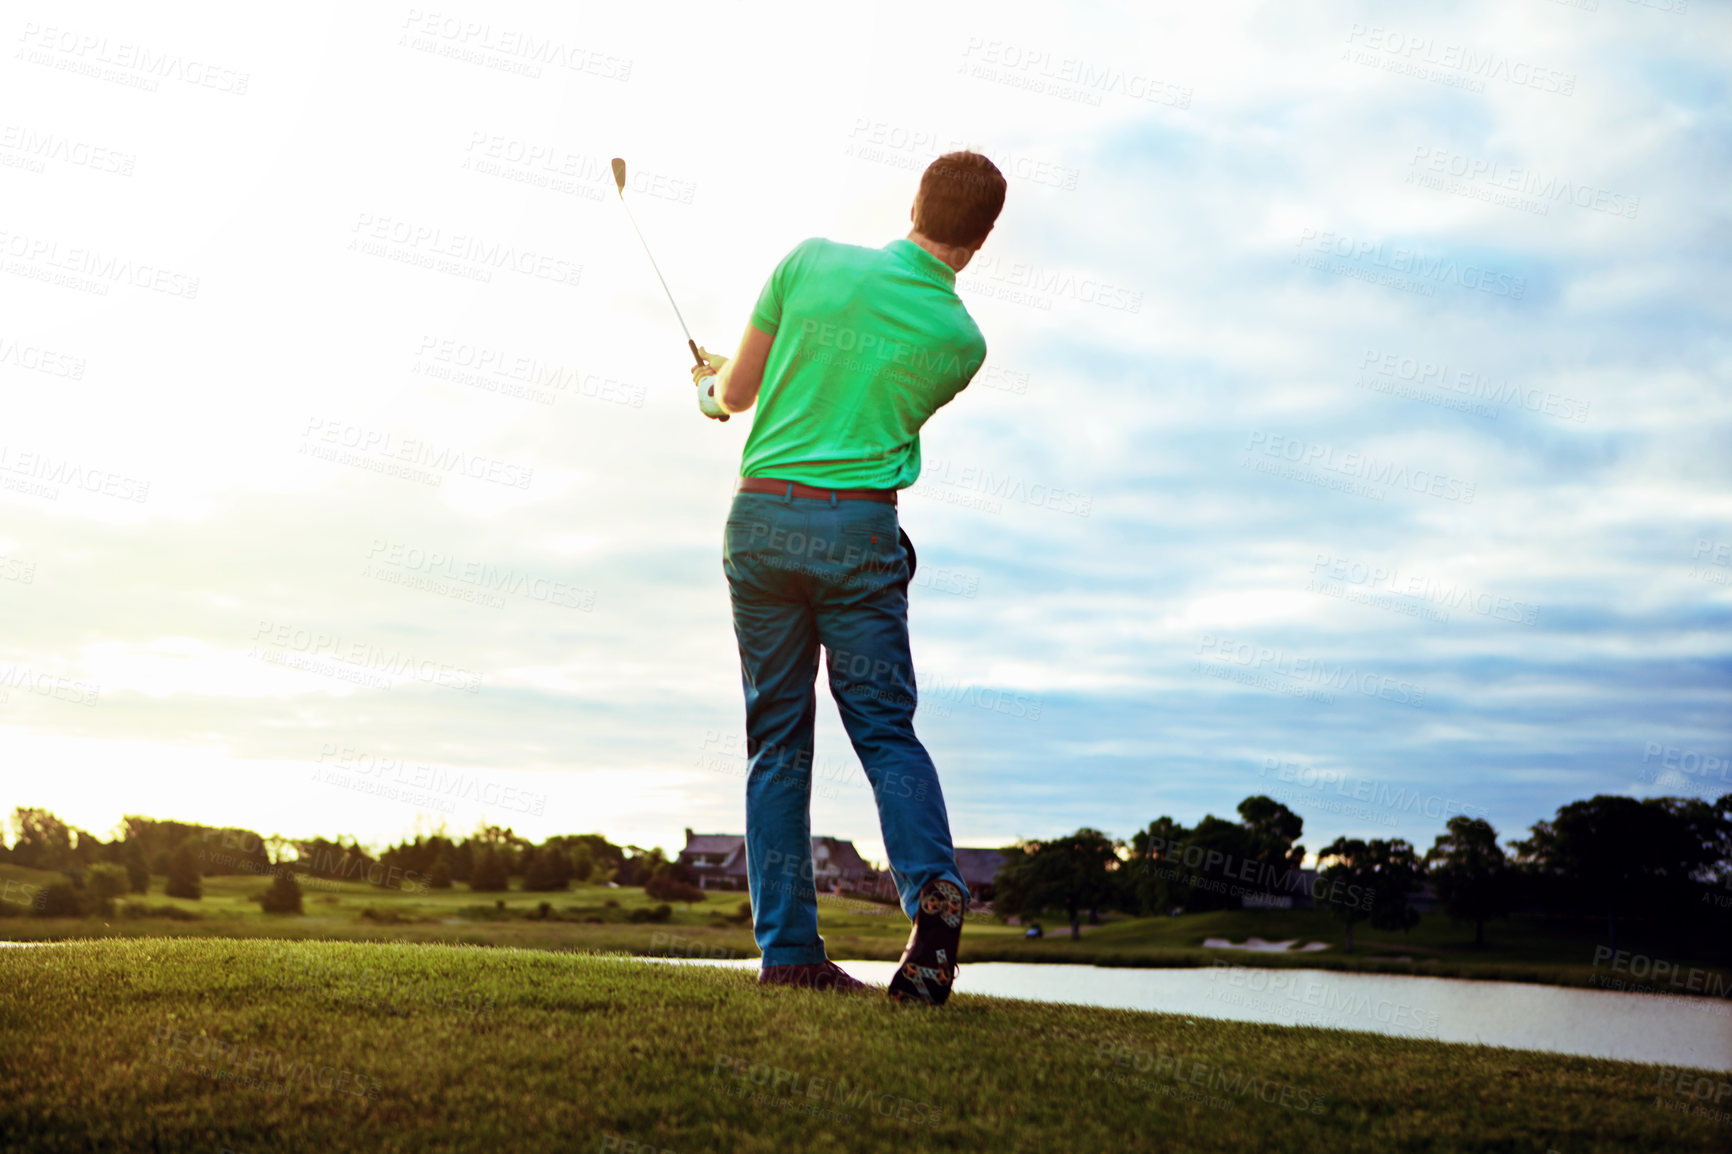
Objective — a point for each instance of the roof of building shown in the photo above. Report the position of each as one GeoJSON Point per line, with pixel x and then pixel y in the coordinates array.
{"type": "Point", "coordinates": [713, 843]}
{"type": "Point", "coordinates": [731, 848]}
{"type": "Point", "coordinates": [979, 866]}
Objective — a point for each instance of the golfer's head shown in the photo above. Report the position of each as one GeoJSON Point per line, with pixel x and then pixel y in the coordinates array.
{"type": "Point", "coordinates": [961, 194]}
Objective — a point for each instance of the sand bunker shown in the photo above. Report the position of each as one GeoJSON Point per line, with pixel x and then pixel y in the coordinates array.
{"type": "Point", "coordinates": [1258, 945]}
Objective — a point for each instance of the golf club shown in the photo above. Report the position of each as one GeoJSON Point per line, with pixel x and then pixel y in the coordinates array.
{"type": "Point", "coordinates": [619, 182]}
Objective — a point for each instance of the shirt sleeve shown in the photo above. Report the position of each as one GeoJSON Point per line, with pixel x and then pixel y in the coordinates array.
{"type": "Point", "coordinates": [767, 313]}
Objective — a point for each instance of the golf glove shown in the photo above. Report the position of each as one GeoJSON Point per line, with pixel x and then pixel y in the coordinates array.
{"type": "Point", "coordinates": [705, 377]}
{"type": "Point", "coordinates": [707, 403]}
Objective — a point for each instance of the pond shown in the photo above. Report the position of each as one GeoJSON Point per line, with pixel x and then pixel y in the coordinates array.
{"type": "Point", "coordinates": [1684, 1031]}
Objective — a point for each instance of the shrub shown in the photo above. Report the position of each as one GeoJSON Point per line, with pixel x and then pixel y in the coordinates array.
{"type": "Point", "coordinates": [550, 871]}
{"type": "Point", "coordinates": [284, 896]}
{"type": "Point", "coordinates": [664, 886]}
{"type": "Point", "coordinates": [63, 900]}
{"type": "Point", "coordinates": [183, 874]}
{"type": "Point", "coordinates": [107, 880]}
{"type": "Point", "coordinates": [137, 872]}
{"type": "Point", "coordinates": [173, 913]}
{"type": "Point", "coordinates": [489, 875]}
{"type": "Point", "coordinates": [660, 913]}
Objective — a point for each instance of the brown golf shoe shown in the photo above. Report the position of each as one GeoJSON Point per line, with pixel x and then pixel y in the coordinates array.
{"type": "Point", "coordinates": [927, 969]}
{"type": "Point", "coordinates": [824, 976]}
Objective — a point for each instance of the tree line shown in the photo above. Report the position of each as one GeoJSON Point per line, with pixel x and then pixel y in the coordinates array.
{"type": "Point", "coordinates": [1663, 858]}
{"type": "Point", "coordinates": [184, 853]}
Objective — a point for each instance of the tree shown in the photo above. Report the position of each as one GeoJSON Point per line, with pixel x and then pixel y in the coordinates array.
{"type": "Point", "coordinates": [1074, 873]}
{"type": "Point", "coordinates": [549, 870]}
{"type": "Point", "coordinates": [582, 864]}
{"type": "Point", "coordinates": [1154, 879]}
{"type": "Point", "coordinates": [137, 872]}
{"type": "Point", "coordinates": [283, 896]}
{"type": "Point", "coordinates": [489, 875]}
{"type": "Point", "coordinates": [42, 841]}
{"type": "Point", "coordinates": [1271, 835]}
{"type": "Point", "coordinates": [1371, 881]}
{"type": "Point", "coordinates": [440, 876]}
{"type": "Point", "coordinates": [1472, 875]}
{"type": "Point", "coordinates": [1617, 853]}
{"type": "Point", "coordinates": [672, 883]}
{"type": "Point", "coordinates": [107, 881]}
{"type": "Point", "coordinates": [183, 873]}
{"type": "Point", "coordinates": [63, 900]}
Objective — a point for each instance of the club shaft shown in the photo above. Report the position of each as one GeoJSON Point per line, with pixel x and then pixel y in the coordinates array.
{"type": "Point", "coordinates": [652, 259]}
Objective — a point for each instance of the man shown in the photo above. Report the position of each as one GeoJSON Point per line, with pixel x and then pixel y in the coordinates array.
{"type": "Point", "coordinates": [849, 351]}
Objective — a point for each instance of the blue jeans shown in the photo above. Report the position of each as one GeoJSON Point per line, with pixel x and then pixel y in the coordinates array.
{"type": "Point", "coordinates": [802, 573]}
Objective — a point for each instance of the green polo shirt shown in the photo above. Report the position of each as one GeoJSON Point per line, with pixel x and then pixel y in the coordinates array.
{"type": "Point", "coordinates": [870, 342]}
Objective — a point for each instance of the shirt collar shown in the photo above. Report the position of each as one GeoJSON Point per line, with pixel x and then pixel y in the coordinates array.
{"type": "Point", "coordinates": [923, 262]}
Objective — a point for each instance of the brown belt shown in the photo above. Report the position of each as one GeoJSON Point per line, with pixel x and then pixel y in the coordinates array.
{"type": "Point", "coordinates": [795, 489]}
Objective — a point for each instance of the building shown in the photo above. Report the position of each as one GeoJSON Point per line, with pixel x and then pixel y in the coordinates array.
{"type": "Point", "coordinates": [979, 870]}
{"type": "Point", "coordinates": [718, 862]}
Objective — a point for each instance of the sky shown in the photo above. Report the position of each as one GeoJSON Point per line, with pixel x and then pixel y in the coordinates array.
{"type": "Point", "coordinates": [1353, 428]}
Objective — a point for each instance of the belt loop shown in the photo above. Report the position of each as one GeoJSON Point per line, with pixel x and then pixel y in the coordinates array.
{"type": "Point", "coordinates": [832, 498]}
{"type": "Point", "coordinates": [788, 497]}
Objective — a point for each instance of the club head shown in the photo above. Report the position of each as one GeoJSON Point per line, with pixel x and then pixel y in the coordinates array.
{"type": "Point", "coordinates": [619, 175]}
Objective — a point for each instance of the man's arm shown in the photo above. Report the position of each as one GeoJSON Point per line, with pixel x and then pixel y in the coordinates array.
{"type": "Point", "coordinates": [738, 383]}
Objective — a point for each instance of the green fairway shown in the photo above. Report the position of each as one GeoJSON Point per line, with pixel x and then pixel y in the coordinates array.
{"type": "Point", "coordinates": [287, 1046]}
{"type": "Point", "coordinates": [1556, 951]}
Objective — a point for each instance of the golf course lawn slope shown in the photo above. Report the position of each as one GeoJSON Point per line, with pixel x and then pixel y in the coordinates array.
{"type": "Point", "coordinates": [252, 1046]}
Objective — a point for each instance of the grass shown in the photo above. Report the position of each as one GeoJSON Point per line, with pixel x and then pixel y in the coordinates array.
{"type": "Point", "coordinates": [200, 1044]}
{"type": "Point", "coordinates": [1557, 952]}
